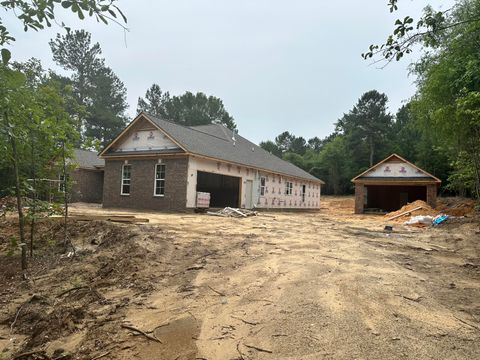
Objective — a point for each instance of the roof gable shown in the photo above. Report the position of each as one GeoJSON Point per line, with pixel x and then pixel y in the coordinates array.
{"type": "Point", "coordinates": [395, 167]}
{"type": "Point", "coordinates": [142, 135]}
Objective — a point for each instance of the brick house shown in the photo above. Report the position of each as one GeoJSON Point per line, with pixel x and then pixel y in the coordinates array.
{"type": "Point", "coordinates": [158, 165]}
{"type": "Point", "coordinates": [87, 178]}
{"type": "Point", "coordinates": [392, 183]}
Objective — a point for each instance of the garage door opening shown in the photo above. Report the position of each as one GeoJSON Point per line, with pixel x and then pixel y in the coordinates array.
{"type": "Point", "coordinates": [391, 197]}
{"type": "Point", "coordinates": [224, 190]}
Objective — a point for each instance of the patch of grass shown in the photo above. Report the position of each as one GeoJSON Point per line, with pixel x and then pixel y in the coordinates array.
{"type": "Point", "coordinates": [12, 246]}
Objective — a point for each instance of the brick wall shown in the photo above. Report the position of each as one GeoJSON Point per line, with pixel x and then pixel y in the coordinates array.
{"type": "Point", "coordinates": [142, 185]}
{"type": "Point", "coordinates": [87, 186]}
{"type": "Point", "coordinates": [432, 195]}
{"type": "Point", "coordinates": [359, 198]}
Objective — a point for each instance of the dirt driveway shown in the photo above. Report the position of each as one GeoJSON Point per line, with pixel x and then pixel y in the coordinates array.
{"type": "Point", "coordinates": [326, 285]}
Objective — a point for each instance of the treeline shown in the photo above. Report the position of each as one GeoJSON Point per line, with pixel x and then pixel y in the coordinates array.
{"type": "Point", "coordinates": [438, 129]}
{"type": "Point", "coordinates": [363, 136]}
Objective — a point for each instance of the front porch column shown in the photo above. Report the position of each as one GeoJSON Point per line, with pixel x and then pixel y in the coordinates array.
{"type": "Point", "coordinates": [432, 195]}
{"type": "Point", "coordinates": [359, 198]}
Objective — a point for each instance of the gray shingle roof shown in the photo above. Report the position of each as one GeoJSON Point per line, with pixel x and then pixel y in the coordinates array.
{"type": "Point", "coordinates": [215, 141]}
{"type": "Point", "coordinates": [88, 159]}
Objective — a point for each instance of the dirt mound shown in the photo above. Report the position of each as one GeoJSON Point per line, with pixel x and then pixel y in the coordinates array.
{"type": "Point", "coordinates": [109, 256]}
{"type": "Point", "coordinates": [418, 207]}
{"type": "Point", "coordinates": [456, 206]}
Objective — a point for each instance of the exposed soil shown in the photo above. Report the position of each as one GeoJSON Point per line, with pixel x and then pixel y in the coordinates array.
{"type": "Point", "coordinates": [316, 285]}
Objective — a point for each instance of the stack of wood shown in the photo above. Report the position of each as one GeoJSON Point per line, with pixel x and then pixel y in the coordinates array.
{"type": "Point", "coordinates": [128, 219]}
{"type": "Point", "coordinates": [418, 207]}
{"type": "Point", "coordinates": [232, 212]}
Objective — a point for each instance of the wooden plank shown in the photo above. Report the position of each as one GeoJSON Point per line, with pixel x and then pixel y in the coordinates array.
{"type": "Point", "coordinates": [120, 219]}
{"type": "Point", "coordinates": [405, 213]}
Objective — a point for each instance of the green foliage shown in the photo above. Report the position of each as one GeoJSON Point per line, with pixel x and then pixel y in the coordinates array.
{"type": "Point", "coordinates": [188, 109]}
{"type": "Point", "coordinates": [428, 30]}
{"type": "Point", "coordinates": [36, 15]}
{"type": "Point", "coordinates": [336, 167]}
{"type": "Point", "coordinates": [462, 178]}
{"type": "Point", "coordinates": [95, 87]}
{"type": "Point", "coordinates": [155, 102]}
{"type": "Point", "coordinates": [271, 147]}
{"type": "Point", "coordinates": [448, 99]}
{"type": "Point", "coordinates": [32, 110]}
{"type": "Point", "coordinates": [12, 246]}
{"type": "Point", "coordinates": [367, 127]}
{"type": "Point", "coordinates": [288, 143]}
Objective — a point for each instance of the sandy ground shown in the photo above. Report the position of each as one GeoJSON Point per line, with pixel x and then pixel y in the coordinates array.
{"type": "Point", "coordinates": [320, 285]}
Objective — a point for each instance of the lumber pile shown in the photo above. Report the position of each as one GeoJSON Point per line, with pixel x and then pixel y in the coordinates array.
{"type": "Point", "coordinates": [415, 208]}
{"type": "Point", "coordinates": [127, 219]}
{"type": "Point", "coordinates": [232, 212]}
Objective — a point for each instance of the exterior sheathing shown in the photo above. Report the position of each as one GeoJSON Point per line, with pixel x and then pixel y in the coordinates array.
{"type": "Point", "coordinates": [274, 196]}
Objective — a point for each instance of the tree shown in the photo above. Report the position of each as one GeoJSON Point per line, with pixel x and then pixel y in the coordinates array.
{"type": "Point", "coordinates": [448, 97]}
{"type": "Point", "coordinates": [315, 143]}
{"type": "Point", "coordinates": [32, 120]}
{"type": "Point", "coordinates": [284, 141]}
{"type": "Point", "coordinates": [12, 112]}
{"type": "Point", "coordinates": [95, 85]}
{"type": "Point", "coordinates": [405, 135]}
{"type": "Point", "coordinates": [299, 145]}
{"type": "Point", "coordinates": [106, 114]}
{"type": "Point", "coordinates": [271, 147]}
{"type": "Point", "coordinates": [367, 126]}
{"type": "Point", "coordinates": [188, 109]}
{"type": "Point", "coordinates": [154, 102]}
{"type": "Point", "coordinates": [334, 163]}
{"type": "Point", "coordinates": [35, 15]}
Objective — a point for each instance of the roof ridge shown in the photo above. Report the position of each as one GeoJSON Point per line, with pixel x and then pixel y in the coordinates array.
{"type": "Point", "coordinates": [187, 127]}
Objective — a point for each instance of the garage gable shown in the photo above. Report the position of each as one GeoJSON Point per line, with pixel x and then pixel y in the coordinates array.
{"type": "Point", "coordinates": [395, 167]}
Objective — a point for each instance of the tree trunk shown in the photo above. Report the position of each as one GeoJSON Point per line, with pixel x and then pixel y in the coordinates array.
{"type": "Point", "coordinates": [21, 218]}
{"type": "Point", "coordinates": [34, 199]}
{"type": "Point", "coordinates": [66, 240]}
{"type": "Point", "coordinates": [372, 149]}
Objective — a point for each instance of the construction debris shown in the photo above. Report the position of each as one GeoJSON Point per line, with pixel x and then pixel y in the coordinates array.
{"type": "Point", "coordinates": [232, 212]}
{"type": "Point", "coordinates": [415, 208]}
{"type": "Point", "coordinates": [420, 219]}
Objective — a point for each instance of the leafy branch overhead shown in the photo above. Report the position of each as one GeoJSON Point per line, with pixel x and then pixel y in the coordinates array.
{"type": "Point", "coordinates": [428, 31]}
{"type": "Point", "coordinates": [36, 15]}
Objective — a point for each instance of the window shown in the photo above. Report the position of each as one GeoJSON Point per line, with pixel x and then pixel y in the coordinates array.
{"type": "Point", "coordinates": [126, 176]}
{"type": "Point", "coordinates": [304, 190]}
{"type": "Point", "coordinates": [288, 188]}
{"type": "Point", "coordinates": [159, 180]}
{"type": "Point", "coordinates": [262, 186]}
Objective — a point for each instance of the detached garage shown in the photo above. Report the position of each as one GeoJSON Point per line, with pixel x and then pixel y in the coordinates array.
{"type": "Point", "coordinates": [392, 183]}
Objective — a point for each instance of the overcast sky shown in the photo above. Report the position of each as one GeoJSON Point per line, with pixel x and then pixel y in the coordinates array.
{"type": "Point", "coordinates": [277, 65]}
